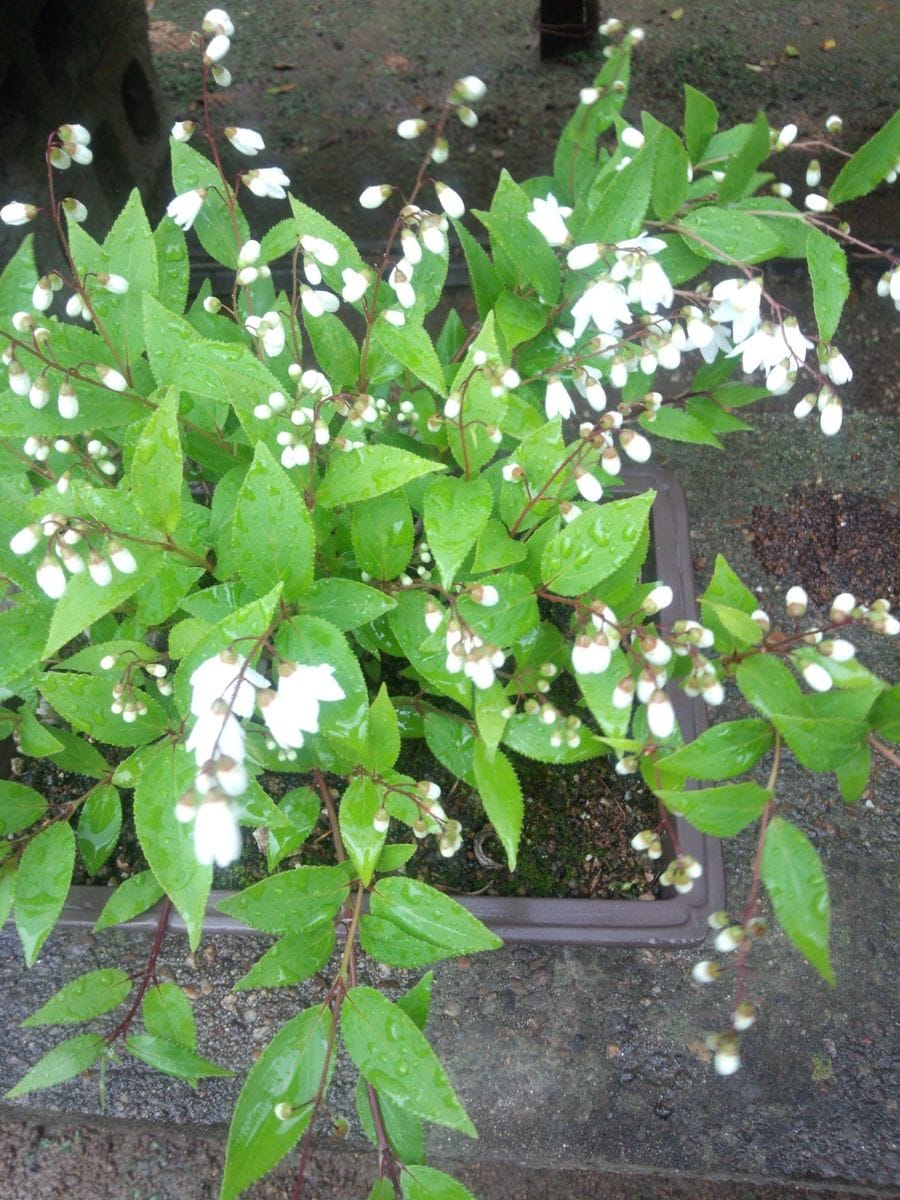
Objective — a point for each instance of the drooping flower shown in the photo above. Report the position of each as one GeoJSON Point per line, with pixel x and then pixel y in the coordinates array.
{"type": "Point", "coordinates": [267, 182]}
{"type": "Point", "coordinates": [548, 217]}
{"type": "Point", "coordinates": [737, 301]}
{"type": "Point", "coordinates": [217, 835]}
{"type": "Point", "coordinates": [375, 195]}
{"type": "Point", "coordinates": [17, 213]}
{"type": "Point", "coordinates": [184, 208]}
{"type": "Point", "coordinates": [245, 141]}
{"type": "Point", "coordinates": [450, 201]}
{"type": "Point", "coordinates": [557, 401]}
{"type": "Point", "coordinates": [225, 677]}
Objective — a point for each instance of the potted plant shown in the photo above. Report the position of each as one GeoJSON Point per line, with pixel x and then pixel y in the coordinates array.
{"type": "Point", "coordinates": [304, 530]}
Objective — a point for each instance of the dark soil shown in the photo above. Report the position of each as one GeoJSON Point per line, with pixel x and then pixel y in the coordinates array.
{"type": "Point", "coordinates": [579, 821]}
{"type": "Point", "coordinates": [831, 541]}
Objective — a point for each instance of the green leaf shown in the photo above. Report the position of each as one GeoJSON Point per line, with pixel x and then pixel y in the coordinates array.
{"type": "Point", "coordinates": [99, 823]}
{"type": "Point", "coordinates": [519, 318]}
{"type": "Point", "coordinates": [173, 264]}
{"type": "Point", "coordinates": [425, 913]}
{"type": "Point", "coordinates": [392, 347]}
{"type": "Point", "coordinates": [20, 806]}
{"type": "Point", "coordinates": [729, 235]}
{"type": "Point", "coordinates": [394, 856]}
{"type": "Point", "coordinates": [42, 884]}
{"type": "Point", "coordinates": [490, 707]}
{"type": "Point", "coordinates": [63, 1062]}
{"type": "Point", "coordinates": [486, 287]}
{"type": "Point", "coordinates": [397, 1061]}
{"type": "Point", "coordinates": [83, 602]}
{"type": "Point", "coordinates": [720, 811]}
{"type": "Point", "coordinates": [35, 739]}
{"type": "Point", "coordinates": [335, 348]}
{"type": "Point", "coordinates": [289, 1071]}
{"type": "Point", "coordinates": [383, 734]}
{"type": "Point", "coordinates": [83, 998]}
{"type": "Point", "coordinates": [853, 773]}
{"type": "Point", "coordinates": [792, 873]}
{"type": "Point", "coordinates": [741, 631]}
{"type": "Point", "coordinates": [456, 511]}
{"type": "Point", "coordinates": [501, 796]}
{"type": "Point", "coordinates": [589, 549]}
{"type": "Point", "coordinates": [496, 549]}
{"type": "Point", "coordinates": [167, 1014]}
{"type": "Point", "coordinates": [598, 691]}
{"type": "Point", "coordinates": [290, 901]}
{"type": "Point", "coordinates": [419, 1182]}
{"type": "Point", "coordinates": [84, 701]}
{"type": "Point", "coordinates": [359, 804]}
{"type": "Point", "coordinates": [528, 734]}
{"type": "Point", "coordinates": [346, 603]}
{"type": "Point", "coordinates": [301, 807]}
{"type": "Point", "coordinates": [830, 284]}
{"type": "Point", "coordinates": [405, 1134]}
{"type": "Point", "coordinates": [885, 714]}
{"type": "Point", "coordinates": [741, 169]}
{"type": "Point", "coordinates": [371, 471]}
{"type": "Point", "coordinates": [679, 426]}
{"type": "Point", "coordinates": [212, 225]}
{"type": "Point", "coordinates": [533, 262]}
{"type": "Point", "coordinates": [7, 890]}
{"type": "Point", "coordinates": [157, 465]}
{"type": "Point", "coordinates": [129, 250]}
{"type": "Point", "coordinates": [451, 741]}
{"type": "Point", "coordinates": [292, 959]}
{"type": "Point", "coordinates": [17, 283]}
{"type": "Point", "coordinates": [869, 165]}
{"type": "Point", "coordinates": [700, 120]}
{"type": "Point", "coordinates": [820, 741]}
{"type": "Point", "coordinates": [172, 1059]}
{"type": "Point", "coordinates": [130, 898]}
{"type": "Point", "coordinates": [722, 751]}
{"type": "Point", "coordinates": [619, 205]}
{"type": "Point", "coordinates": [670, 170]}
{"type": "Point", "coordinates": [382, 533]}
{"type": "Point", "coordinates": [168, 845]}
{"type": "Point", "coordinates": [271, 537]}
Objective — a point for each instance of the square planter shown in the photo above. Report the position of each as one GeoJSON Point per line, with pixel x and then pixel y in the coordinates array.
{"type": "Point", "coordinates": [676, 920]}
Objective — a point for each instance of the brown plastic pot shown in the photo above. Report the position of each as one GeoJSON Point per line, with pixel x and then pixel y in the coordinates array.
{"type": "Point", "coordinates": [675, 920]}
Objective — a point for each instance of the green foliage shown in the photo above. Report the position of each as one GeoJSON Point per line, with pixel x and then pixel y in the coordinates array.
{"type": "Point", "coordinates": [272, 532]}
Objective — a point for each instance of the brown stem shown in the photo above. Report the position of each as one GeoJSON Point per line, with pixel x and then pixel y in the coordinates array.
{"type": "Point", "coordinates": [148, 976]}
{"type": "Point", "coordinates": [885, 751]}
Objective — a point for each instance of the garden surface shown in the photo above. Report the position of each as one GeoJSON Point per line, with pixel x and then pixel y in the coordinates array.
{"type": "Point", "coordinates": [585, 1071]}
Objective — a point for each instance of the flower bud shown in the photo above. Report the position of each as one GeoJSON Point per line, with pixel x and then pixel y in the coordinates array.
{"type": "Point", "coordinates": [728, 1057]}
{"type": "Point", "coordinates": [842, 607]}
{"type": "Point", "coordinates": [744, 1016]}
{"type": "Point", "coordinates": [834, 123]}
{"type": "Point", "coordinates": [450, 201]}
{"type": "Point", "coordinates": [17, 213]}
{"type": "Point", "coordinates": [375, 196]}
{"type": "Point", "coordinates": [707, 971]}
{"type": "Point", "coordinates": [411, 129]}
{"type": "Point", "coordinates": [796, 601]}
{"type": "Point", "coordinates": [26, 539]}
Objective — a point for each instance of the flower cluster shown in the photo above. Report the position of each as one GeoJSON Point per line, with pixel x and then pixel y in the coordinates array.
{"type": "Point", "coordinates": [729, 937]}
{"type": "Point", "coordinates": [73, 547]}
{"type": "Point", "coordinates": [224, 690]}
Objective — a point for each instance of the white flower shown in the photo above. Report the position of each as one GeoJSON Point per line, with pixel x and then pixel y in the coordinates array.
{"type": "Point", "coordinates": [217, 20]}
{"type": "Point", "coordinates": [589, 486]}
{"type": "Point", "coordinates": [268, 182]}
{"type": "Point", "coordinates": [51, 578]}
{"type": "Point", "coordinates": [744, 1016]}
{"type": "Point", "coordinates": [433, 235]}
{"type": "Point", "coordinates": [74, 133]}
{"type": "Point", "coordinates": [605, 304]}
{"type": "Point", "coordinates": [228, 678]}
{"type": "Point", "coordinates": [814, 173]}
{"type": "Point", "coordinates": [112, 378]}
{"type": "Point", "coordinates": [270, 331]}
{"type": "Point", "coordinates": [589, 95]}
{"type": "Point", "coordinates": [660, 715]}
{"type": "Point", "coordinates": [557, 401]}
{"type": "Point", "coordinates": [375, 196]}
{"type": "Point", "coordinates": [184, 208]}
{"type": "Point", "coordinates": [221, 75]}
{"type": "Point", "coordinates": [450, 201]}
{"type": "Point", "coordinates": [356, 284]}
{"type": "Point", "coordinates": [122, 558]}
{"type": "Point", "coordinates": [217, 835]}
{"type": "Point", "coordinates": [302, 688]}
{"type": "Point", "coordinates": [834, 123]}
{"type": "Point", "coordinates": [280, 720]}
{"type": "Point", "coordinates": [804, 406]}
{"type": "Point", "coordinates": [17, 213]}
{"type": "Point", "coordinates": [470, 88]}
{"type": "Point", "coordinates": [74, 209]}
{"type": "Point", "coordinates": [217, 47]}
{"type": "Point", "coordinates": [842, 607]}
{"type": "Point", "coordinates": [838, 649]}
{"type": "Point", "coordinates": [548, 218]}
{"type": "Point", "coordinates": [591, 656]}
{"type": "Point", "coordinates": [217, 733]}
{"type": "Point", "coordinates": [727, 1059]}
{"type": "Point", "coordinates": [737, 301]}
{"type": "Point", "coordinates": [706, 971]}
{"type": "Point", "coordinates": [467, 116]}
{"type": "Point", "coordinates": [67, 402]}
{"type": "Point", "coordinates": [26, 539]}
{"type": "Point", "coordinates": [635, 445]}
{"type": "Point", "coordinates": [245, 141]}
{"type": "Point", "coordinates": [818, 204]}
{"type": "Point", "coordinates": [796, 601]}
{"type": "Point", "coordinates": [816, 676]}
{"type": "Point", "coordinates": [19, 380]}
{"type": "Point", "coordinates": [623, 693]}
{"type": "Point", "coordinates": [583, 256]}
{"type": "Point", "coordinates": [182, 131]}
{"type": "Point", "coordinates": [399, 280]}
{"type": "Point", "coordinates": [412, 128]}
{"type": "Point", "coordinates": [834, 365]}
{"type": "Point", "coordinates": [659, 598]}
{"type": "Point", "coordinates": [631, 137]}
{"type": "Point", "coordinates": [831, 416]}
{"type": "Point", "coordinates": [729, 939]}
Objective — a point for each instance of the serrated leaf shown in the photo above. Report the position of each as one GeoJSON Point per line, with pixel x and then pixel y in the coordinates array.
{"type": "Point", "coordinates": [869, 165]}
{"type": "Point", "coordinates": [133, 896]}
{"type": "Point", "coordinates": [359, 805]}
{"type": "Point", "coordinates": [271, 538]}
{"type": "Point", "coordinates": [84, 701]}
{"type": "Point", "coordinates": [720, 811]}
{"type": "Point", "coordinates": [670, 170]}
{"type": "Point", "coordinates": [404, 1131]}
{"type": "Point", "coordinates": [830, 284]}
{"type": "Point", "coordinates": [853, 773]}
{"type": "Point", "coordinates": [740, 170]}
{"type": "Point", "coordinates": [383, 738]}
{"type": "Point", "coordinates": [419, 1182]}
{"type": "Point", "coordinates": [301, 808]}
{"type": "Point", "coordinates": [722, 751]}
{"type": "Point", "coordinates": [290, 901]}
{"type": "Point", "coordinates": [700, 120]}
{"type": "Point", "coordinates": [423, 912]}
{"type": "Point", "coordinates": [346, 603]}
{"type": "Point", "coordinates": [157, 465]}
{"type": "Point", "coordinates": [533, 261]}
{"type": "Point", "coordinates": [84, 998]}
{"type": "Point", "coordinates": [292, 959]}
{"type": "Point", "coordinates": [792, 873]}
{"type": "Point", "coordinates": [528, 734]}
{"type": "Point", "coordinates": [63, 1062]}
{"type": "Point", "coordinates": [729, 235]}
{"type": "Point", "coordinates": [618, 204]}
{"type": "Point", "coordinates": [42, 884]}
{"type": "Point", "coordinates": [486, 286]}
{"type": "Point", "coordinates": [20, 806]}
{"type": "Point", "coordinates": [392, 348]}
{"type": "Point", "coordinates": [168, 845]}
{"type": "Point", "coordinates": [451, 741]}
{"type": "Point", "coordinates": [371, 471]}
{"type": "Point", "coordinates": [99, 823]}
{"type": "Point", "coordinates": [35, 739]}
{"type": "Point", "coordinates": [456, 511]}
{"type": "Point", "coordinates": [289, 1071]}
{"type": "Point", "coordinates": [167, 1014]}
{"type": "Point", "coordinates": [396, 1059]}
{"type": "Point", "coordinates": [598, 691]}
{"type": "Point", "coordinates": [382, 533]}
{"type": "Point", "coordinates": [172, 1059]}
{"type": "Point", "coordinates": [501, 796]}
{"type": "Point", "coordinates": [213, 223]}
{"type": "Point", "coordinates": [589, 549]}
